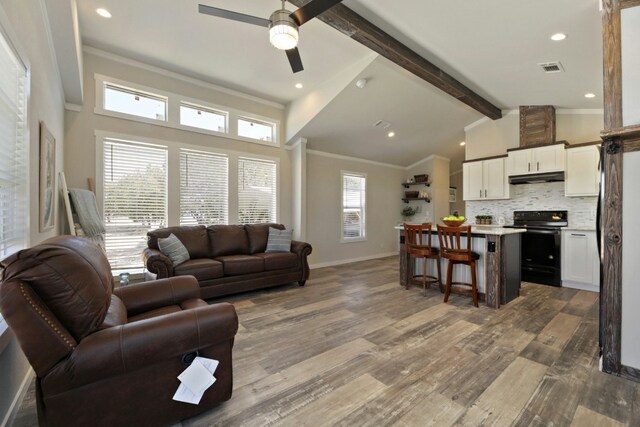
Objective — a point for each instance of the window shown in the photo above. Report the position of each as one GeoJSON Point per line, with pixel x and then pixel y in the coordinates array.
{"type": "Point", "coordinates": [14, 145]}
{"type": "Point", "coordinates": [353, 206]}
{"type": "Point", "coordinates": [137, 103]}
{"type": "Point", "coordinates": [135, 198]}
{"type": "Point", "coordinates": [256, 191]}
{"type": "Point", "coordinates": [203, 118]}
{"type": "Point", "coordinates": [256, 129]}
{"type": "Point", "coordinates": [203, 188]}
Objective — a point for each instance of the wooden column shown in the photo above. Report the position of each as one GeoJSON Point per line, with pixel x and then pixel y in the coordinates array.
{"type": "Point", "coordinates": [493, 276]}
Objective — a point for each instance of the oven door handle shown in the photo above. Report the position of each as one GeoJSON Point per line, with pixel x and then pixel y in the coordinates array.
{"type": "Point", "coordinates": [553, 232]}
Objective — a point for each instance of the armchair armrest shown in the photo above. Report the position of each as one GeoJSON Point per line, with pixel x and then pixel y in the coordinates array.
{"type": "Point", "coordinates": [157, 263]}
{"type": "Point", "coordinates": [141, 297]}
{"type": "Point", "coordinates": [126, 348]}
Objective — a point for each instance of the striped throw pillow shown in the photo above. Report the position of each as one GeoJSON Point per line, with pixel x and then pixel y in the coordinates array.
{"type": "Point", "coordinates": [174, 249]}
{"type": "Point", "coordinates": [279, 240]}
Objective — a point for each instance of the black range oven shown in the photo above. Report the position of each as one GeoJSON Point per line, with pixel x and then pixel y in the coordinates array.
{"type": "Point", "coordinates": [541, 243]}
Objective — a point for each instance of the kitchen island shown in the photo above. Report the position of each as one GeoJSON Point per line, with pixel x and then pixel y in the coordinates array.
{"type": "Point", "coordinates": [498, 269]}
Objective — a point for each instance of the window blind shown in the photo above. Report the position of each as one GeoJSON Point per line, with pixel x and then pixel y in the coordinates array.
{"type": "Point", "coordinates": [203, 188]}
{"type": "Point", "coordinates": [14, 146]}
{"type": "Point", "coordinates": [135, 198]}
{"type": "Point", "coordinates": [256, 191]}
{"type": "Point", "coordinates": [353, 206]}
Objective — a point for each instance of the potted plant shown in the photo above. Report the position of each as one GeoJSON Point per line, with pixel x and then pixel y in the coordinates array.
{"type": "Point", "coordinates": [408, 212]}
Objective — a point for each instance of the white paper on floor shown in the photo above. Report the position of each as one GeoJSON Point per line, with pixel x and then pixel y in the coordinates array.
{"type": "Point", "coordinates": [195, 380]}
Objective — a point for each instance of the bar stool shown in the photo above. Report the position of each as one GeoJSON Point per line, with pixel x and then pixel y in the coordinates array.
{"type": "Point", "coordinates": [416, 247]}
{"type": "Point", "coordinates": [451, 249]}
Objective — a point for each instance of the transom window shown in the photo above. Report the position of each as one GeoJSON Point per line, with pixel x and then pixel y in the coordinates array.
{"type": "Point", "coordinates": [255, 129]}
{"type": "Point", "coordinates": [202, 117]}
{"type": "Point", "coordinates": [137, 103]}
{"type": "Point", "coordinates": [353, 206]}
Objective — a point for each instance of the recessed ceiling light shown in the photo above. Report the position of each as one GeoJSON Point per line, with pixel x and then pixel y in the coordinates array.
{"type": "Point", "coordinates": [558, 37]}
{"type": "Point", "coordinates": [589, 95]}
{"type": "Point", "coordinates": [391, 134]}
{"type": "Point", "coordinates": [298, 85]}
{"type": "Point", "coordinates": [462, 144]}
{"type": "Point", "coordinates": [103, 12]}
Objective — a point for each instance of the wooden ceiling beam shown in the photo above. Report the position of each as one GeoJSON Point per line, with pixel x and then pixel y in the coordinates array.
{"type": "Point", "coordinates": [359, 29]}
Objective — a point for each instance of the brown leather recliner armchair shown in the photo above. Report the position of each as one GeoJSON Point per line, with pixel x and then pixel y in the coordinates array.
{"type": "Point", "coordinates": [106, 357]}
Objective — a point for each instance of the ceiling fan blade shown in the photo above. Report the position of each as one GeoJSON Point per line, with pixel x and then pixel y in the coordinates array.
{"type": "Point", "coordinates": [294, 59]}
{"type": "Point", "coordinates": [222, 13]}
{"type": "Point", "coordinates": [312, 9]}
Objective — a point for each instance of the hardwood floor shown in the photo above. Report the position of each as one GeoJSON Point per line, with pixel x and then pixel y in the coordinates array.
{"type": "Point", "coordinates": [353, 348]}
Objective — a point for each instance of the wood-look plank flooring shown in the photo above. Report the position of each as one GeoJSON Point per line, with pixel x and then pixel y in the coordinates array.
{"type": "Point", "coordinates": [353, 348]}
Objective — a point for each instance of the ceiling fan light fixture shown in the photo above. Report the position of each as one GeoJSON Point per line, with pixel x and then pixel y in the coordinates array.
{"type": "Point", "coordinates": [283, 31]}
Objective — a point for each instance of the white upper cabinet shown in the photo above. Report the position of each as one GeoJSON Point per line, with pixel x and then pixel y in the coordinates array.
{"type": "Point", "coordinates": [582, 176]}
{"type": "Point", "coordinates": [536, 160]}
{"type": "Point", "coordinates": [485, 180]}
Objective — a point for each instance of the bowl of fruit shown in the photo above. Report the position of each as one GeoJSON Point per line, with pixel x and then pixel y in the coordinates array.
{"type": "Point", "coordinates": [453, 220]}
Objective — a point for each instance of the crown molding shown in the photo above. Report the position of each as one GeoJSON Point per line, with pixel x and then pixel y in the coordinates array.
{"type": "Point", "coordinates": [354, 159]}
{"type": "Point", "coordinates": [172, 74]}
{"type": "Point", "coordinates": [426, 159]}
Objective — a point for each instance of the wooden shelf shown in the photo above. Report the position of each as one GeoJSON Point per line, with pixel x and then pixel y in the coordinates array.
{"type": "Point", "coordinates": [409, 184]}
{"type": "Point", "coordinates": [407, 199]}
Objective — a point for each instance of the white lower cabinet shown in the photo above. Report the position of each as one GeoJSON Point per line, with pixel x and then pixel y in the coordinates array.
{"type": "Point", "coordinates": [580, 262]}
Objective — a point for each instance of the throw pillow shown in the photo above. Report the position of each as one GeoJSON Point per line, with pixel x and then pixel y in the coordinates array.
{"type": "Point", "coordinates": [174, 249]}
{"type": "Point", "coordinates": [279, 240]}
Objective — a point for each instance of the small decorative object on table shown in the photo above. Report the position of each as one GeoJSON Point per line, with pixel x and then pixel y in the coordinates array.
{"type": "Point", "coordinates": [484, 219]}
{"type": "Point", "coordinates": [124, 278]}
{"type": "Point", "coordinates": [453, 220]}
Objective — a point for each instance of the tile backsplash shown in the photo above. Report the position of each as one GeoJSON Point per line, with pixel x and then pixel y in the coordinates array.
{"type": "Point", "coordinates": [537, 197]}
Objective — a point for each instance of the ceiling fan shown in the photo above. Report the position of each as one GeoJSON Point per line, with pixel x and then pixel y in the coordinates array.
{"type": "Point", "coordinates": [282, 24]}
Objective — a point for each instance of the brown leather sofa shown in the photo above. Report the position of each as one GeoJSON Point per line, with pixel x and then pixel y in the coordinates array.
{"type": "Point", "coordinates": [228, 259]}
{"type": "Point", "coordinates": [106, 357]}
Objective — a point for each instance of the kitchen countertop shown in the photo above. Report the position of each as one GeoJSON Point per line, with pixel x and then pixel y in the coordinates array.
{"type": "Point", "coordinates": [493, 230]}
{"type": "Point", "coordinates": [578, 229]}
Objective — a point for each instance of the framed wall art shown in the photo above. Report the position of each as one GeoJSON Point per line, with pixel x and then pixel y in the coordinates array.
{"type": "Point", "coordinates": [47, 179]}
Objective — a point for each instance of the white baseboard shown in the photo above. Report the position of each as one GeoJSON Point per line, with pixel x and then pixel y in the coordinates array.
{"type": "Point", "coordinates": [17, 400]}
{"type": "Point", "coordinates": [581, 286]}
{"type": "Point", "coordinates": [350, 260]}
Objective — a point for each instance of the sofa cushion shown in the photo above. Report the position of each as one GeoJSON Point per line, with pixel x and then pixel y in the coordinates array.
{"type": "Point", "coordinates": [201, 269]}
{"type": "Point", "coordinates": [161, 311]}
{"type": "Point", "coordinates": [279, 240]}
{"type": "Point", "coordinates": [228, 240]}
{"type": "Point", "coordinates": [116, 315]}
{"type": "Point", "coordinates": [235, 265]}
{"type": "Point", "coordinates": [194, 238]}
{"type": "Point", "coordinates": [278, 260]}
{"type": "Point", "coordinates": [258, 235]}
{"type": "Point", "coordinates": [173, 248]}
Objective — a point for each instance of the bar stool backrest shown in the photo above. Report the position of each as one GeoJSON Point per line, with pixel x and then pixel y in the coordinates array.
{"type": "Point", "coordinates": [417, 236]}
{"type": "Point", "coordinates": [450, 239]}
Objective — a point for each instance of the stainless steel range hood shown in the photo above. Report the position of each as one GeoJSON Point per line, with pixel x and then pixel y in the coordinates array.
{"type": "Point", "coordinates": [536, 178]}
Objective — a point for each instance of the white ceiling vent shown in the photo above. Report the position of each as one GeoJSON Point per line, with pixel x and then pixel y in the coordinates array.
{"type": "Point", "coordinates": [552, 67]}
{"type": "Point", "coordinates": [382, 124]}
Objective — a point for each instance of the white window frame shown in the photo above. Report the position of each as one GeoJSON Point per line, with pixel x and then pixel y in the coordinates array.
{"type": "Point", "coordinates": [257, 120]}
{"type": "Point", "coordinates": [6, 30]}
{"type": "Point", "coordinates": [251, 157]}
{"type": "Point", "coordinates": [362, 238]}
{"type": "Point", "coordinates": [173, 112]}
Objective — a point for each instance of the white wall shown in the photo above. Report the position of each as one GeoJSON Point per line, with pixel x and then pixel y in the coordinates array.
{"type": "Point", "coordinates": [26, 21]}
{"type": "Point", "coordinates": [630, 350]}
{"type": "Point", "coordinates": [455, 180]}
{"type": "Point", "coordinates": [80, 127]}
{"type": "Point", "coordinates": [487, 138]}
{"type": "Point", "coordinates": [630, 32]}
{"type": "Point", "coordinates": [324, 209]}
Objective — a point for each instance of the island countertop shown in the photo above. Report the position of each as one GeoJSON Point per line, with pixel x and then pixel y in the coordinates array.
{"type": "Point", "coordinates": [483, 230]}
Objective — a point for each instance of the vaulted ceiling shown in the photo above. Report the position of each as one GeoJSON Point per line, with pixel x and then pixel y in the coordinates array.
{"type": "Point", "coordinates": [491, 46]}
